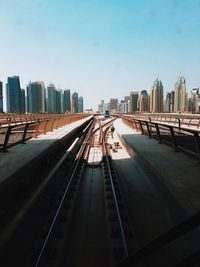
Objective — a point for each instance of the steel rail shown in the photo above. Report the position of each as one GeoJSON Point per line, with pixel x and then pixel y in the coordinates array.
{"type": "Point", "coordinates": [78, 158]}
{"type": "Point", "coordinates": [101, 126]}
{"type": "Point", "coordinates": [122, 232]}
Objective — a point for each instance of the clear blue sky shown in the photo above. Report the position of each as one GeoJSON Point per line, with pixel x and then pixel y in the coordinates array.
{"type": "Point", "coordinates": [101, 48]}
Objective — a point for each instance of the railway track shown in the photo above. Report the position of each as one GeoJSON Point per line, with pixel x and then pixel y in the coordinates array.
{"type": "Point", "coordinates": [81, 217]}
{"type": "Point", "coordinates": [89, 225]}
{"type": "Point", "coordinates": [25, 214]}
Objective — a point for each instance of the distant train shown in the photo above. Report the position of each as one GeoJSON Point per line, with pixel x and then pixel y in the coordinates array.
{"type": "Point", "coordinates": [106, 114]}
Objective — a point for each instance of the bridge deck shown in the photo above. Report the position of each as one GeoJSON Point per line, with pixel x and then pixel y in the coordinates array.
{"type": "Point", "coordinates": [19, 155]}
{"type": "Point", "coordinates": [179, 172]}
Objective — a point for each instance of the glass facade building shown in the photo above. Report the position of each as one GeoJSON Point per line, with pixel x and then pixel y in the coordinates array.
{"type": "Point", "coordinates": [58, 101]}
{"type": "Point", "coordinates": [1, 97]}
{"type": "Point", "coordinates": [180, 95]}
{"type": "Point", "coordinates": [80, 104]}
{"type": "Point", "coordinates": [75, 102]}
{"type": "Point", "coordinates": [134, 101]}
{"type": "Point", "coordinates": [67, 101]}
{"type": "Point", "coordinates": [143, 101]}
{"type": "Point", "coordinates": [51, 98]}
{"type": "Point", "coordinates": [23, 101]}
{"type": "Point", "coordinates": [156, 97]}
{"type": "Point", "coordinates": [13, 91]}
{"type": "Point", "coordinates": [36, 97]}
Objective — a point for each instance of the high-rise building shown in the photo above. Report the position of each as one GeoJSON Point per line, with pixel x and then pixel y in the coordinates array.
{"type": "Point", "coordinates": [113, 104]}
{"type": "Point", "coordinates": [67, 101]}
{"type": "Point", "coordinates": [194, 101]}
{"type": "Point", "coordinates": [134, 101]}
{"type": "Point", "coordinates": [143, 101]}
{"type": "Point", "coordinates": [156, 97]}
{"type": "Point", "coordinates": [106, 106]}
{"type": "Point", "coordinates": [80, 104]}
{"type": "Point", "coordinates": [172, 102]}
{"type": "Point", "coordinates": [58, 101]}
{"type": "Point", "coordinates": [180, 97]}
{"type": "Point", "coordinates": [127, 102]}
{"type": "Point", "coordinates": [101, 106]}
{"type": "Point", "coordinates": [75, 102]}
{"type": "Point", "coordinates": [51, 98]}
{"type": "Point", "coordinates": [23, 109]}
{"type": "Point", "coordinates": [36, 97]}
{"type": "Point", "coordinates": [123, 106]}
{"type": "Point", "coordinates": [13, 91]}
{"type": "Point", "coordinates": [197, 105]}
{"type": "Point", "coordinates": [169, 102]}
{"type": "Point", "coordinates": [126, 99]}
{"type": "Point", "coordinates": [1, 97]}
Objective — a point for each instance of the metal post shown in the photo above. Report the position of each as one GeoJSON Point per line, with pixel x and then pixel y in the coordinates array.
{"type": "Point", "coordinates": [179, 124]}
{"type": "Point", "coordinates": [149, 131]}
{"type": "Point", "coordinates": [45, 126]}
{"type": "Point", "coordinates": [35, 134]}
{"type": "Point", "coordinates": [197, 142]}
{"type": "Point", "coordinates": [173, 138]}
{"type": "Point", "coordinates": [158, 133]}
{"type": "Point", "coordinates": [6, 139]}
{"type": "Point", "coordinates": [24, 134]}
{"type": "Point", "coordinates": [142, 130]}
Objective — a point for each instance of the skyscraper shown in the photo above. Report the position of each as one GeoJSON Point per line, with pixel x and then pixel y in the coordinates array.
{"type": "Point", "coordinates": [80, 104]}
{"type": "Point", "coordinates": [156, 97]}
{"type": "Point", "coordinates": [113, 104]}
{"type": "Point", "coordinates": [13, 91]}
{"type": "Point", "coordinates": [58, 101]}
{"type": "Point", "coordinates": [67, 101]}
{"type": "Point", "coordinates": [194, 101]}
{"type": "Point", "coordinates": [101, 106]}
{"type": "Point", "coordinates": [180, 95]}
{"type": "Point", "coordinates": [143, 101]}
{"type": "Point", "coordinates": [1, 97]}
{"type": "Point", "coordinates": [51, 98]}
{"type": "Point", "coordinates": [134, 101]}
{"type": "Point", "coordinates": [36, 97]}
{"type": "Point", "coordinates": [23, 100]}
{"type": "Point", "coordinates": [75, 102]}
{"type": "Point", "coordinates": [127, 102]}
{"type": "Point", "coordinates": [123, 106]}
{"type": "Point", "coordinates": [169, 104]}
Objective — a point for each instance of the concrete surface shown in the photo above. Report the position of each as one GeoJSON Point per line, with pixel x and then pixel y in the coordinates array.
{"type": "Point", "coordinates": [21, 154]}
{"type": "Point", "coordinates": [161, 187]}
{"type": "Point", "coordinates": [176, 170]}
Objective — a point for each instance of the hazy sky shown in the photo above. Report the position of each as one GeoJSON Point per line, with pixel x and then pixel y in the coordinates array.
{"type": "Point", "coordinates": [100, 48]}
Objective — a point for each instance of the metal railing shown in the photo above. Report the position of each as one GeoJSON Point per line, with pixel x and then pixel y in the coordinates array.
{"type": "Point", "coordinates": [189, 120]}
{"type": "Point", "coordinates": [15, 132]}
{"type": "Point", "coordinates": [178, 135]}
{"type": "Point", "coordinates": [162, 132]}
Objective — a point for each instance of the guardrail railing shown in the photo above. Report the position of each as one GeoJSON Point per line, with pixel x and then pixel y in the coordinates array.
{"type": "Point", "coordinates": [17, 132]}
{"type": "Point", "coordinates": [189, 120]}
{"type": "Point", "coordinates": [179, 135]}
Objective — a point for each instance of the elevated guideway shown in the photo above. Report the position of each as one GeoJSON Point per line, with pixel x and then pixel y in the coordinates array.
{"type": "Point", "coordinates": [21, 165]}
{"type": "Point", "coordinates": [162, 188]}
{"type": "Point", "coordinates": [22, 154]}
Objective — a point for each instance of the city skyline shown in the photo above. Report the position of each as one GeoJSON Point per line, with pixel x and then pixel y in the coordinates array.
{"type": "Point", "coordinates": [37, 98]}
{"type": "Point", "coordinates": [176, 101]}
{"type": "Point", "coordinates": [102, 48]}
{"type": "Point", "coordinates": [165, 93]}
{"type": "Point", "coordinates": [41, 99]}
